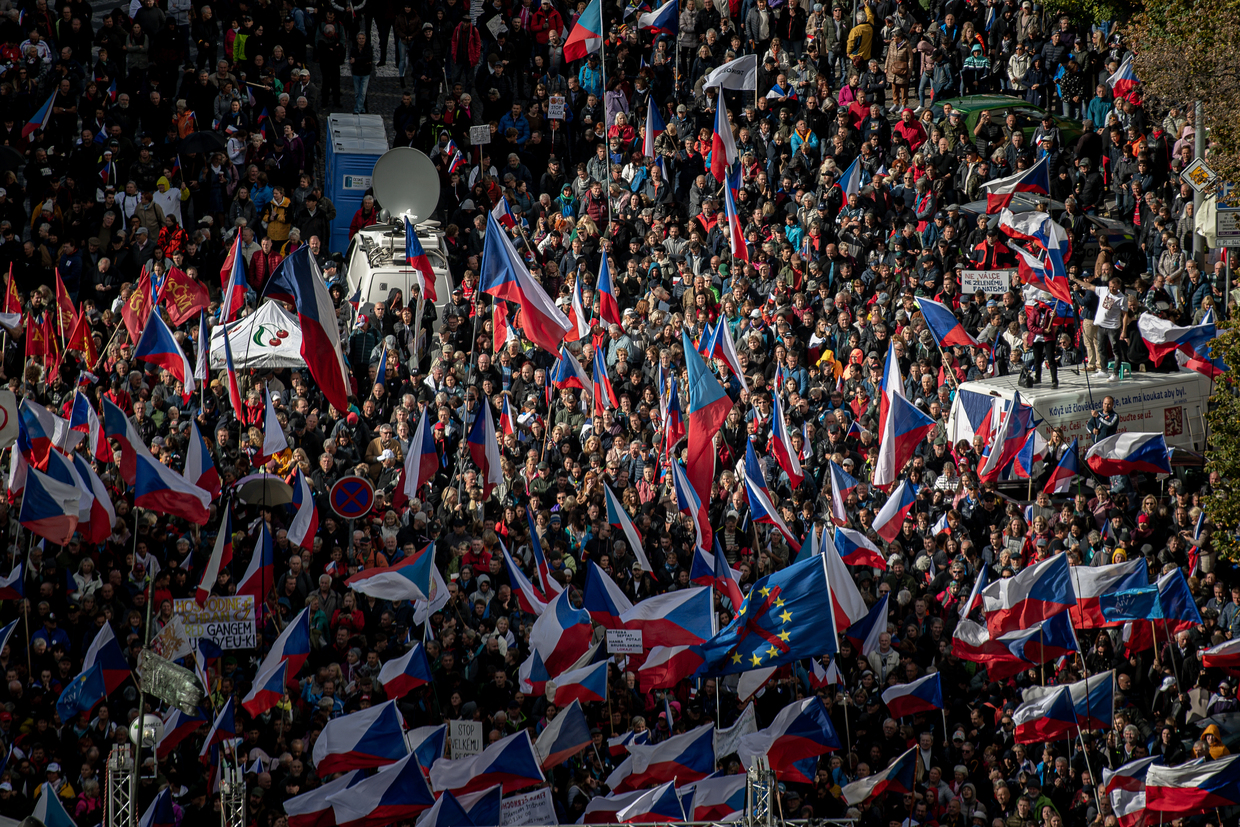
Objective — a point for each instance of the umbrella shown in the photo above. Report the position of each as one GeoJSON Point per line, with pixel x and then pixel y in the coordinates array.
{"type": "Point", "coordinates": [203, 142]}
{"type": "Point", "coordinates": [264, 489]}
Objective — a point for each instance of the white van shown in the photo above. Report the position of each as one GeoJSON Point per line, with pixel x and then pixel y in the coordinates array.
{"type": "Point", "coordinates": [1173, 404]}
{"type": "Point", "coordinates": [375, 262]}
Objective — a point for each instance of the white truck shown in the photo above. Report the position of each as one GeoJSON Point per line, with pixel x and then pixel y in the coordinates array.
{"type": "Point", "coordinates": [1173, 404]}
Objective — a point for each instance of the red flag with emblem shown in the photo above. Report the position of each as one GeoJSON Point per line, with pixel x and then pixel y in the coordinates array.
{"type": "Point", "coordinates": [182, 297]}
{"type": "Point", "coordinates": [137, 308]}
{"type": "Point", "coordinates": [66, 314]}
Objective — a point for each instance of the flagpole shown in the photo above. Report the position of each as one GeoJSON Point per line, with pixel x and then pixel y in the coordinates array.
{"type": "Point", "coordinates": [1085, 751]}
{"type": "Point", "coordinates": [602, 62]}
{"type": "Point", "coordinates": [946, 737]}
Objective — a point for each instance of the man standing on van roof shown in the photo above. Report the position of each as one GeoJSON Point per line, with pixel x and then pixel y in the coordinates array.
{"type": "Point", "coordinates": [1104, 423]}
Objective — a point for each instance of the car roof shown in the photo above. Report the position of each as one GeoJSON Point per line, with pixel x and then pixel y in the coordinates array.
{"type": "Point", "coordinates": [971, 103]}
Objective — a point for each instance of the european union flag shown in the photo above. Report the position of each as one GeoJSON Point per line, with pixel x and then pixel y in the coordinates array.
{"type": "Point", "coordinates": [786, 617]}
{"type": "Point", "coordinates": [1132, 604]}
{"type": "Point", "coordinates": [82, 693]}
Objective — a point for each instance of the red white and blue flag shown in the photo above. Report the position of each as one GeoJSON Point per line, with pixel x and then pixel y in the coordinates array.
{"type": "Point", "coordinates": [505, 276]}
{"type": "Point", "coordinates": [410, 579]}
{"type": "Point", "coordinates": [366, 739]}
{"type": "Point", "coordinates": [299, 281]}
{"type": "Point", "coordinates": [586, 685]}
{"type": "Point", "coordinates": [510, 762]}
{"type": "Point", "coordinates": [686, 757]}
{"type": "Point", "coordinates": [898, 777]}
{"type": "Point", "coordinates": [402, 675]}
{"type": "Point", "coordinates": [908, 699]}
{"type": "Point", "coordinates": [397, 794]}
{"type": "Point", "coordinates": [1034, 594]}
{"type": "Point", "coordinates": [1049, 718]}
{"type": "Point", "coordinates": [564, 736]}
{"type": "Point", "coordinates": [199, 467]}
{"type": "Point", "coordinates": [415, 257]}
{"type": "Point", "coordinates": [680, 618]}
{"type": "Point", "coordinates": [800, 733]}
{"type": "Point", "coordinates": [587, 35]}
{"type": "Point", "coordinates": [654, 124]}
{"type": "Point", "coordinates": [890, 518]}
{"type": "Point", "coordinates": [1124, 81]}
{"type": "Point", "coordinates": [663, 20]}
{"type": "Point", "coordinates": [943, 324]}
{"type": "Point", "coordinates": [232, 278]}
{"type": "Point", "coordinates": [1129, 453]}
{"type": "Point", "coordinates": [1036, 179]}
{"type": "Point", "coordinates": [41, 118]}
{"type": "Point", "coordinates": [1069, 467]}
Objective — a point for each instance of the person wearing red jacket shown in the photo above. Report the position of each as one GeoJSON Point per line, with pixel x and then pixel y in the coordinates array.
{"type": "Point", "coordinates": [545, 21]}
{"type": "Point", "coordinates": [366, 216]}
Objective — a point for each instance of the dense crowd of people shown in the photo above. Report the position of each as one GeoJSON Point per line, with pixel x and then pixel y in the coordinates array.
{"type": "Point", "coordinates": [150, 137]}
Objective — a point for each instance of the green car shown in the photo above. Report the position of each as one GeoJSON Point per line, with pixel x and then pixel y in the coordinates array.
{"type": "Point", "coordinates": [1028, 115]}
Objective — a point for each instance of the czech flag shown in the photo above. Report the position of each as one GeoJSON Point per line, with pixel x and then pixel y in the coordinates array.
{"type": "Point", "coordinates": [260, 574]}
{"type": "Point", "coordinates": [890, 518]}
{"type": "Point", "coordinates": [604, 394]}
{"type": "Point", "coordinates": [1162, 338]}
{"type": "Point", "coordinates": [619, 745]}
{"type": "Point", "coordinates": [1126, 789]}
{"type": "Point", "coordinates": [1060, 481]}
{"type": "Point", "coordinates": [602, 598]}
{"type": "Point", "coordinates": [234, 389]}
{"type": "Point", "coordinates": [402, 675]}
{"type": "Point", "coordinates": [722, 347]}
{"type": "Point", "coordinates": [1044, 641]}
{"type": "Point", "coordinates": [762, 510]}
{"type": "Point", "coordinates": [102, 514]}
{"type": "Point", "coordinates": [299, 281]}
{"type": "Point", "coordinates": [416, 258]}
{"type": "Point", "coordinates": [673, 424]}
{"type": "Point", "coordinates": [842, 484]}
{"type": "Point", "coordinates": [1129, 453]}
{"type": "Point", "coordinates": [292, 646]}
{"type": "Point", "coordinates": [905, 429]}
{"type": "Point", "coordinates": [1036, 593]}
{"type": "Point", "coordinates": [1014, 425]}
{"type": "Point", "coordinates": [1049, 718]}
{"type": "Point", "coordinates": [505, 276]}
{"type": "Point", "coordinates": [899, 777]}
{"type": "Point", "coordinates": [199, 467]}
{"type": "Point", "coordinates": [607, 809]}
{"type": "Point", "coordinates": [800, 733]}
{"type": "Point", "coordinates": [410, 579]}
{"type": "Point", "coordinates": [305, 522]}
{"type": "Point", "coordinates": [1091, 582]}
{"type": "Point", "coordinates": [1092, 699]}
{"type": "Point", "coordinates": [1122, 83]}
{"type": "Point", "coordinates": [510, 762]}
{"type": "Point", "coordinates": [421, 462]}
{"type": "Point", "coordinates": [550, 586]}
{"type": "Point", "coordinates": [504, 332]}
{"type": "Point", "coordinates": [667, 666]}
{"type": "Point", "coordinates": [659, 805]}
{"type": "Point", "coordinates": [717, 797]}
{"type": "Point", "coordinates": [446, 812]}
{"type": "Point", "coordinates": [605, 292]}
{"type": "Point", "coordinates": [578, 318]}
{"type": "Point", "coordinates": [736, 232]}
{"type": "Point", "coordinates": [654, 124]}
{"type": "Point", "coordinates": [1224, 656]}
{"type": "Point", "coordinates": [484, 450]}
{"type": "Point", "coordinates": [558, 639]}
{"type": "Point", "coordinates": [686, 757]}
{"type": "Point", "coordinates": [679, 618]}
{"type": "Point", "coordinates": [1029, 455]}
{"type": "Point", "coordinates": [312, 809]}
{"type": "Point", "coordinates": [864, 634]}
{"type": "Point", "coordinates": [723, 153]}
{"type": "Point", "coordinates": [177, 727]}
{"type": "Point", "coordinates": [506, 423]}
{"type": "Point", "coordinates": [427, 743]}
{"type": "Point", "coordinates": [663, 20]}
{"type": "Point", "coordinates": [221, 556]}
{"type": "Point", "coordinates": [850, 181]}
{"type": "Point", "coordinates": [618, 518]}
{"type": "Point", "coordinates": [857, 550]}
{"type": "Point", "coordinates": [565, 735]}
{"type": "Point", "coordinates": [585, 685]}
{"type": "Point", "coordinates": [12, 588]}
{"type": "Point", "coordinates": [267, 691]}
{"type": "Point", "coordinates": [502, 214]}
{"type": "Point", "coordinates": [587, 35]}
{"type": "Point", "coordinates": [232, 279]}
{"type": "Point", "coordinates": [223, 728]}
{"type": "Point", "coordinates": [1036, 179]}
{"type": "Point", "coordinates": [781, 442]}
{"type": "Point", "coordinates": [943, 324]}
{"type": "Point", "coordinates": [908, 699]}
{"type": "Point", "coordinates": [724, 579]}
{"type": "Point", "coordinates": [370, 738]}
{"type": "Point", "coordinates": [49, 507]}
{"type": "Point", "coordinates": [397, 794]}
{"type": "Point", "coordinates": [527, 597]}
{"type": "Point", "coordinates": [41, 118]}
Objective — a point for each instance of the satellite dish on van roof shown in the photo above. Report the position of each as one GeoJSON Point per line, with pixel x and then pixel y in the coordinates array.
{"type": "Point", "coordinates": [405, 181]}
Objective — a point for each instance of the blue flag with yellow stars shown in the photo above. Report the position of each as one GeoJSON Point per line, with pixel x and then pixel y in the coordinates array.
{"type": "Point", "coordinates": [787, 616]}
